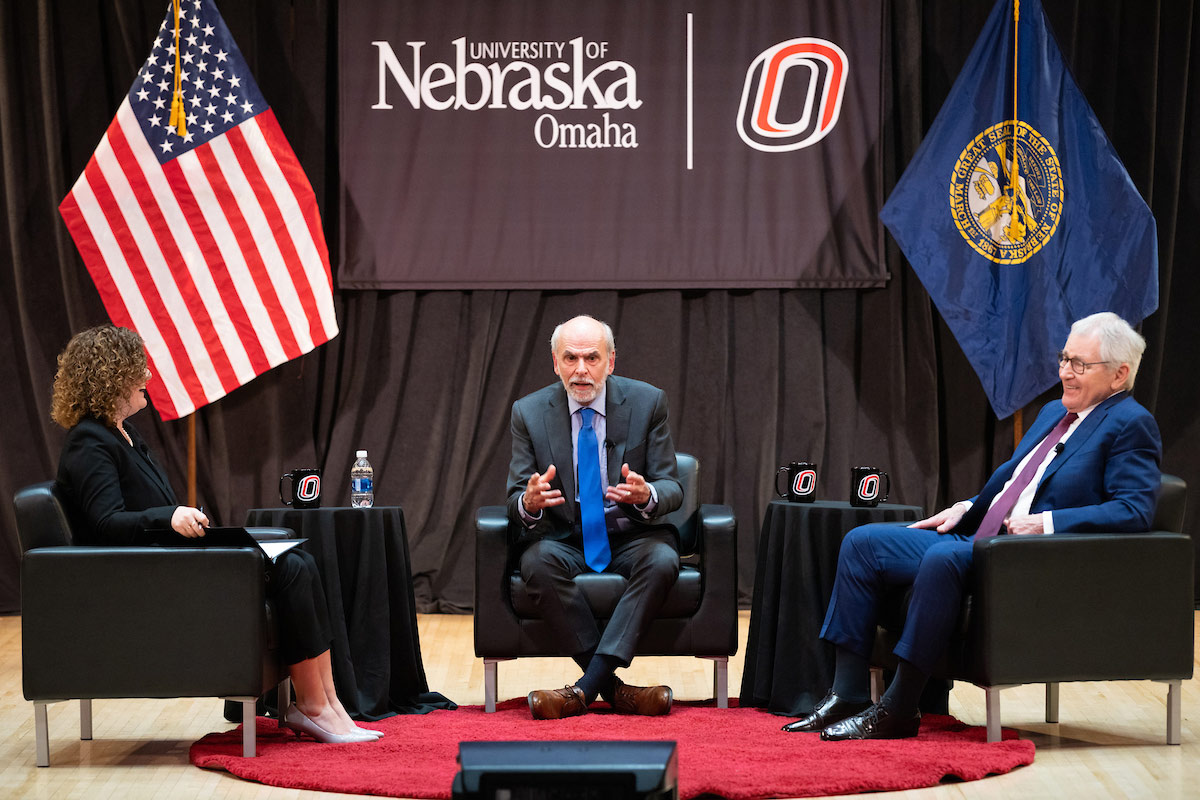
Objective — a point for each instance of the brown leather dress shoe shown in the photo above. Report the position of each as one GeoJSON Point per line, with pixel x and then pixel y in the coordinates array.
{"type": "Point", "coordinates": [647, 701]}
{"type": "Point", "coordinates": [557, 703]}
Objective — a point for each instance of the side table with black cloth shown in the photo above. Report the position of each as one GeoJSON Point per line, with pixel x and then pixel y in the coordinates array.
{"type": "Point", "coordinates": [362, 554]}
{"type": "Point", "coordinates": [788, 667]}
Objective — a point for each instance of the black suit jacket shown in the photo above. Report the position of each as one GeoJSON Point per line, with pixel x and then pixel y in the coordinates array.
{"type": "Point", "coordinates": [639, 433]}
{"type": "Point", "coordinates": [114, 492]}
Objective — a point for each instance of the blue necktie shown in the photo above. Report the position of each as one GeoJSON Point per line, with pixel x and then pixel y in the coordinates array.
{"type": "Point", "coordinates": [591, 495]}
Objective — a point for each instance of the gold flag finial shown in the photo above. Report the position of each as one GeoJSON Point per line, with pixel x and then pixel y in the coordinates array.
{"type": "Point", "coordinates": [178, 119]}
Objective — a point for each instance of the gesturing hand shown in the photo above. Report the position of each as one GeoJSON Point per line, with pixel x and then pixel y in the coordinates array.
{"type": "Point", "coordinates": [632, 489]}
{"type": "Point", "coordinates": [538, 494]}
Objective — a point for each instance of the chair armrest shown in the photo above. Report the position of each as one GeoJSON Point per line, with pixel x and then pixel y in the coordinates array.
{"type": "Point", "coordinates": [140, 621]}
{"type": "Point", "coordinates": [716, 620]}
{"type": "Point", "coordinates": [1082, 607]}
{"type": "Point", "coordinates": [495, 622]}
{"type": "Point", "coordinates": [262, 534]}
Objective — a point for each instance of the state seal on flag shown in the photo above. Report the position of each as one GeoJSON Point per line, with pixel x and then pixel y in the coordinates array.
{"type": "Point", "coordinates": [1006, 192]}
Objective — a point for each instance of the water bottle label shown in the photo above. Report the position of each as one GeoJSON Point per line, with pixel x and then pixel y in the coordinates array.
{"type": "Point", "coordinates": [361, 485]}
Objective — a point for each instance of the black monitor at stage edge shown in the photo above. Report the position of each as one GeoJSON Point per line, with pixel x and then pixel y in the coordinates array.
{"type": "Point", "coordinates": [571, 770]}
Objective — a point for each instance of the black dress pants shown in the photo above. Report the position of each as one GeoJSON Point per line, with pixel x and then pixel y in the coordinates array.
{"type": "Point", "coordinates": [648, 560]}
{"type": "Point", "coordinates": [294, 584]}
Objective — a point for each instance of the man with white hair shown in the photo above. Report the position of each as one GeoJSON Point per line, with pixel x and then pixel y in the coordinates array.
{"type": "Point", "coordinates": [1089, 463]}
{"type": "Point", "coordinates": [592, 474]}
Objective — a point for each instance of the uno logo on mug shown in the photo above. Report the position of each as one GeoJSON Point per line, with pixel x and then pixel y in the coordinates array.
{"type": "Point", "coordinates": [309, 488]}
{"type": "Point", "coordinates": [871, 486]}
{"type": "Point", "coordinates": [806, 481]}
{"type": "Point", "coordinates": [304, 488]}
{"type": "Point", "coordinates": [868, 487]}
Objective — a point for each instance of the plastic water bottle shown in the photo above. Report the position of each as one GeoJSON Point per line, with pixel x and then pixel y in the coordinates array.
{"type": "Point", "coordinates": [362, 482]}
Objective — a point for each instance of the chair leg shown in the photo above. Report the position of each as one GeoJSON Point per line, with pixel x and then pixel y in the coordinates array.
{"type": "Point", "coordinates": [284, 698]}
{"type": "Point", "coordinates": [41, 733]}
{"type": "Point", "coordinates": [85, 719]}
{"type": "Point", "coordinates": [992, 701]}
{"type": "Point", "coordinates": [489, 684]}
{"type": "Point", "coordinates": [249, 723]}
{"type": "Point", "coordinates": [1051, 702]}
{"type": "Point", "coordinates": [876, 684]}
{"type": "Point", "coordinates": [720, 679]}
{"type": "Point", "coordinates": [1174, 711]}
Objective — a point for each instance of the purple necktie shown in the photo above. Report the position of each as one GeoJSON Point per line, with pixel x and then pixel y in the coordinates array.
{"type": "Point", "coordinates": [994, 518]}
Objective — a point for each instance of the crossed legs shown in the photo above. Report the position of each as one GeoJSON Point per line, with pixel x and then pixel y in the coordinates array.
{"type": "Point", "coordinates": [873, 560]}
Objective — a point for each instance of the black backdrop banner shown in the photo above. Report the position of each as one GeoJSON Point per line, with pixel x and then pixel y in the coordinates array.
{"type": "Point", "coordinates": [540, 144]}
{"type": "Point", "coordinates": [425, 380]}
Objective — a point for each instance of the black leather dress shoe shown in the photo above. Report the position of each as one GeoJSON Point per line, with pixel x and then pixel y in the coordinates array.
{"type": "Point", "coordinates": [877, 722]}
{"type": "Point", "coordinates": [831, 709]}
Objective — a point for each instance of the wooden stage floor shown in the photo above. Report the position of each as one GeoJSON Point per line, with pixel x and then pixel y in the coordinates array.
{"type": "Point", "coordinates": [1110, 741]}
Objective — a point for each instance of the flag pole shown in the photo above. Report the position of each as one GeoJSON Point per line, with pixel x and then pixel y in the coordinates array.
{"type": "Point", "coordinates": [1019, 414]}
{"type": "Point", "coordinates": [191, 459]}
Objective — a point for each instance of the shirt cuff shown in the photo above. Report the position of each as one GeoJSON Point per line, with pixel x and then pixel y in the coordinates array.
{"type": "Point", "coordinates": [526, 517]}
{"type": "Point", "coordinates": [1047, 522]}
{"type": "Point", "coordinates": [651, 504]}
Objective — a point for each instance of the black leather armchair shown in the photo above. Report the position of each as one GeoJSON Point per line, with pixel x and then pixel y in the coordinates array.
{"type": "Point", "coordinates": [698, 618]}
{"type": "Point", "coordinates": [106, 622]}
{"type": "Point", "coordinates": [1073, 607]}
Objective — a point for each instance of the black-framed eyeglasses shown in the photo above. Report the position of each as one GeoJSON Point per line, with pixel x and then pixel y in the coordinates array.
{"type": "Point", "coordinates": [1078, 365]}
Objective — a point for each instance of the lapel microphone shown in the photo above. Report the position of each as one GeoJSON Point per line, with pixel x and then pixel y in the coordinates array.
{"type": "Point", "coordinates": [1058, 448]}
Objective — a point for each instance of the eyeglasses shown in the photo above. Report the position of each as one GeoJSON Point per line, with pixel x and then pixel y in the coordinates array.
{"type": "Point", "coordinates": [1078, 365]}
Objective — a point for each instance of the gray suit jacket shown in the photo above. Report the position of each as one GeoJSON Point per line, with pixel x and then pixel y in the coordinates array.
{"type": "Point", "coordinates": [638, 433]}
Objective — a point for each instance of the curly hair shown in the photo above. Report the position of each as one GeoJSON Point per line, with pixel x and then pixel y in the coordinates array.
{"type": "Point", "coordinates": [95, 372]}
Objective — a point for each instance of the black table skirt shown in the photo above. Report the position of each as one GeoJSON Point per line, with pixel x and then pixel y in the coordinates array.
{"type": "Point", "coordinates": [363, 558]}
{"type": "Point", "coordinates": [788, 667]}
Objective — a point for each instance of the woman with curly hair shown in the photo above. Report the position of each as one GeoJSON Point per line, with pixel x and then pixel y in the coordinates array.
{"type": "Point", "coordinates": [118, 495]}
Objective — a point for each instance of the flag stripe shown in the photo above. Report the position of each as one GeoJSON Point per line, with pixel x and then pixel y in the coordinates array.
{"type": "Point", "coordinates": [229, 355]}
{"type": "Point", "coordinates": [158, 250]}
{"type": "Point", "coordinates": [262, 220]}
{"type": "Point", "coordinates": [102, 173]}
{"type": "Point", "coordinates": [265, 189]}
{"type": "Point", "coordinates": [204, 177]}
{"type": "Point", "coordinates": [119, 292]}
{"type": "Point", "coordinates": [299, 205]}
{"type": "Point", "coordinates": [220, 270]}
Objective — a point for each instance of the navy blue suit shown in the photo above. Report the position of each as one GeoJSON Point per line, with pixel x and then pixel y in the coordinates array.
{"type": "Point", "coordinates": [1105, 480]}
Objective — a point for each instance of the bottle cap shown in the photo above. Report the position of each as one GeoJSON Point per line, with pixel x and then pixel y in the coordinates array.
{"type": "Point", "coordinates": [360, 454]}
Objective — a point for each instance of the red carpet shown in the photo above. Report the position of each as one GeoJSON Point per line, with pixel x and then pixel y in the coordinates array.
{"type": "Point", "coordinates": [736, 753]}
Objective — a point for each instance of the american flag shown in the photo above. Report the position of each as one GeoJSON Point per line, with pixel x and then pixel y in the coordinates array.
{"type": "Point", "coordinates": [209, 243]}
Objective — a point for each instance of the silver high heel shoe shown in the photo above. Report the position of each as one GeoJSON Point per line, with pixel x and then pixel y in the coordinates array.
{"type": "Point", "coordinates": [298, 721]}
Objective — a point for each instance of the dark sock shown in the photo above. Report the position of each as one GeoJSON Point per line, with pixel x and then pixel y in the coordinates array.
{"type": "Point", "coordinates": [851, 676]}
{"type": "Point", "coordinates": [584, 658]}
{"type": "Point", "coordinates": [598, 677]}
{"type": "Point", "coordinates": [904, 693]}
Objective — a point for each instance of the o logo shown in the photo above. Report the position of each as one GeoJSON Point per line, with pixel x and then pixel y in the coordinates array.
{"type": "Point", "coordinates": [792, 95]}
{"type": "Point", "coordinates": [805, 482]}
{"type": "Point", "coordinates": [868, 487]}
{"type": "Point", "coordinates": [309, 488]}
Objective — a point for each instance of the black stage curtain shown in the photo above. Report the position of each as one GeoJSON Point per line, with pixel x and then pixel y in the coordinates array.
{"type": "Point", "coordinates": [424, 380]}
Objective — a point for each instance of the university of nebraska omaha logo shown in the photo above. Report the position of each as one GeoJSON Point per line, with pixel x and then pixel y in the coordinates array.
{"type": "Point", "coordinates": [1006, 192]}
{"type": "Point", "coordinates": [792, 95]}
